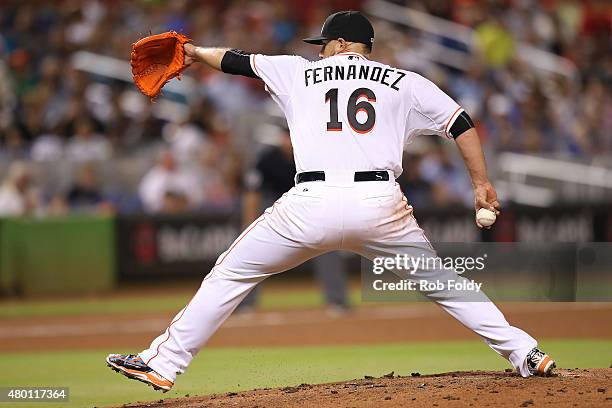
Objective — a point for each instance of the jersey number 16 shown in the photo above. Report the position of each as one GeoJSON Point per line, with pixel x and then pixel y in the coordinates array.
{"type": "Point", "coordinates": [353, 107]}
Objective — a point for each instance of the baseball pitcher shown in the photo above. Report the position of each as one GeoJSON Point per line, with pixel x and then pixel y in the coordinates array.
{"type": "Point", "coordinates": [350, 119]}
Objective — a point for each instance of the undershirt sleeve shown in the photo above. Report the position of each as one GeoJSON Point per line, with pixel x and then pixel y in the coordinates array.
{"type": "Point", "coordinates": [238, 62]}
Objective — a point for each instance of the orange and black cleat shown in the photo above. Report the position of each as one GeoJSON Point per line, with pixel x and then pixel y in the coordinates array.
{"type": "Point", "coordinates": [135, 368]}
{"type": "Point", "coordinates": [540, 363]}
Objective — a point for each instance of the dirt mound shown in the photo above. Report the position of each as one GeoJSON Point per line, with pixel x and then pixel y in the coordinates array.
{"type": "Point", "coordinates": [569, 388]}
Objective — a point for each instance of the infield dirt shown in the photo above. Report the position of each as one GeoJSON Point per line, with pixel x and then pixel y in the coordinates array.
{"type": "Point", "coordinates": [569, 388]}
{"type": "Point", "coordinates": [398, 323]}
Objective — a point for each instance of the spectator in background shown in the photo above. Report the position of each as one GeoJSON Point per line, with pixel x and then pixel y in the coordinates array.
{"type": "Point", "coordinates": [86, 194]}
{"type": "Point", "coordinates": [18, 196]}
{"type": "Point", "coordinates": [111, 113]}
{"type": "Point", "coordinates": [412, 183]}
{"type": "Point", "coordinates": [470, 90]}
{"type": "Point", "coordinates": [8, 98]}
{"type": "Point", "coordinates": [161, 186]}
{"type": "Point", "coordinates": [144, 128]}
{"type": "Point", "coordinates": [495, 41]}
{"type": "Point", "coordinates": [221, 177]}
{"type": "Point", "coordinates": [447, 178]}
{"type": "Point", "coordinates": [185, 139]}
{"type": "Point", "coordinates": [593, 131]}
{"type": "Point", "coordinates": [86, 144]}
{"type": "Point", "coordinates": [221, 163]}
{"type": "Point", "coordinates": [44, 97]}
{"type": "Point", "coordinates": [14, 145]}
{"type": "Point", "coordinates": [49, 146]}
{"type": "Point", "coordinates": [57, 206]}
{"type": "Point", "coordinates": [174, 203]}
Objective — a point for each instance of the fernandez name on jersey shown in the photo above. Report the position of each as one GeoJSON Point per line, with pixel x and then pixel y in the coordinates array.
{"type": "Point", "coordinates": [389, 76]}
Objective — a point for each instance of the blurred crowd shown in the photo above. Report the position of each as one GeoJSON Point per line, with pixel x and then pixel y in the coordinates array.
{"type": "Point", "coordinates": [52, 112]}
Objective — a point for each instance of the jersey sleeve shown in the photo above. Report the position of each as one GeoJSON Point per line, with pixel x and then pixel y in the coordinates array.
{"type": "Point", "coordinates": [432, 111]}
{"type": "Point", "coordinates": [278, 71]}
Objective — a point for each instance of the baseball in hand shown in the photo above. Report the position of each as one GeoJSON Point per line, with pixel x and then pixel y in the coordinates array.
{"type": "Point", "coordinates": [485, 217]}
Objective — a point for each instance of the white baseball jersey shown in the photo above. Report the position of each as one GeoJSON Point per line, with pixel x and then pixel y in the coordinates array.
{"type": "Point", "coordinates": [347, 112]}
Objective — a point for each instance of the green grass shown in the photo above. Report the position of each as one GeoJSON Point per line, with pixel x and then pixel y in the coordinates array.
{"type": "Point", "coordinates": [93, 305]}
{"type": "Point", "coordinates": [273, 299]}
{"type": "Point", "coordinates": [222, 369]}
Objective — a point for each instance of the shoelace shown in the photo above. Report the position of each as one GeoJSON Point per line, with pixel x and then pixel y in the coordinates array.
{"type": "Point", "coordinates": [134, 359]}
{"type": "Point", "coordinates": [535, 357]}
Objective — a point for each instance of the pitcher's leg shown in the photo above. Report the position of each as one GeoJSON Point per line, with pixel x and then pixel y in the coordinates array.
{"type": "Point", "coordinates": [473, 310]}
{"type": "Point", "coordinates": [485, 319]}
{"type": "Point", "coordinates": [259, 252]}
{"type": "Point", "coordinates": [476, 312]}
{"type": "Point", "coordinates": [221, 291]}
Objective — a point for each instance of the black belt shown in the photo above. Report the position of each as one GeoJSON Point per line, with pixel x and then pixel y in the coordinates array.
{"type": "Point", "coordinates": [375, 175]}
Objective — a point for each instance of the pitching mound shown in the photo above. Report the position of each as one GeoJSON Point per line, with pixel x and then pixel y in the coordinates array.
{"type": "Point", "coordinates": [579, 387]}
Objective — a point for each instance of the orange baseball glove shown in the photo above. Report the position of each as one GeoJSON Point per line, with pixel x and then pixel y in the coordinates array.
{"type": "Point", "coordinates": [156, 59]}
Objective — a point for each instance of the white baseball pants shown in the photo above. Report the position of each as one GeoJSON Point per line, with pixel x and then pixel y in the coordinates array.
{"type": "Point", "coordinates": [369, 218]}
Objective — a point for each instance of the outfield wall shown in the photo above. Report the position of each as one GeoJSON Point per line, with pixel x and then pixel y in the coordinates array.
{"type": "Point", "coordinates": [57, 255]}
{"type": "Point", "coordinates": [87, 254]}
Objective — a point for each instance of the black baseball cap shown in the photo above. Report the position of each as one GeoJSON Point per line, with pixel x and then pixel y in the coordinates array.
{"type": "Point", "coordinates": [350, 25]}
